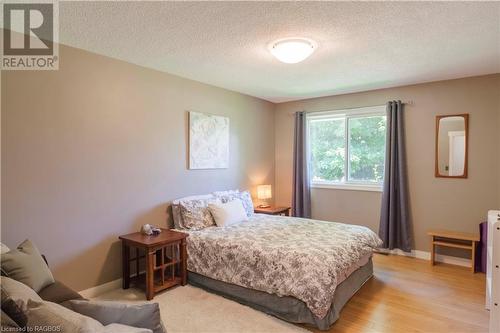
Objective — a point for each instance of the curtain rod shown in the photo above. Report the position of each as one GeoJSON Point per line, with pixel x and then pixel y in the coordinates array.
{"type": "Point", "coordinates": [409, 102]}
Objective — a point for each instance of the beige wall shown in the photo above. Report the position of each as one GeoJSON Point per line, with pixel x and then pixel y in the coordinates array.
{"type": "Point", "coordinates": [458, 204]}
{"type": "Point", "coordinates": [97, 148]}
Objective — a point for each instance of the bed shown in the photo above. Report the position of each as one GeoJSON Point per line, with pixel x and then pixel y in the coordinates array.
{"type": "Point", "coordinates": [299, 270]}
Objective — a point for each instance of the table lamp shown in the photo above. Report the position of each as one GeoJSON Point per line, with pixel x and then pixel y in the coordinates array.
{"type": "Point", "coordinates": [264, 193]}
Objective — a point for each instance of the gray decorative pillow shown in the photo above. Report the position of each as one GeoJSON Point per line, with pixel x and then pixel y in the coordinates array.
{"type": "Point", "coordinates": [12, 312]}
{"type": "Point", "coordinates": [144, 315]}
{"type": "Point", "coordinates": [195, 213]}
{"type": "Point", "coordinates": [46, 314]}
{"type": "Point", "coordinates": [245, 198]}
{"type": "Point", "coordinates": [18, 292]}
{"type": "Point", "coordinates": [176, 208]}
{"type": "Point", "coordinates": [25, 264]}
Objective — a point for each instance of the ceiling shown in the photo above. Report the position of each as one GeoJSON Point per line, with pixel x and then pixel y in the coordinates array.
{"type": "Point", "coordinates": [362, 45]}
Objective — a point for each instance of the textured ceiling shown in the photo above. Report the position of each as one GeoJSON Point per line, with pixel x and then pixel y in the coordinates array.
{"type": "Point", "coordinates": [362, 45]}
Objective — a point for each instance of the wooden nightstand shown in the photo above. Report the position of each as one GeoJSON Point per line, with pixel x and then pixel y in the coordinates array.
{"type": "Point", "coordinates": [273, 210]}
{"type": "Point", "coordinates": [165, 256]}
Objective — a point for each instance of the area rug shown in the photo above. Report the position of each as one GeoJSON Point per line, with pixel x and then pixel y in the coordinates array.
{"type": "Point", "coordinates": [189, 309]}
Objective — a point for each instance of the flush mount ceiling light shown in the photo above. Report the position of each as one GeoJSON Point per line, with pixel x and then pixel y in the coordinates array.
{"type": "Point", "coordinates": [292, 50]}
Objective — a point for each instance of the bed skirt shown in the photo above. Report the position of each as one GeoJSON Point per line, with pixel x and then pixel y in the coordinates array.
{"type": "Point", "coordinates": [287, 308]}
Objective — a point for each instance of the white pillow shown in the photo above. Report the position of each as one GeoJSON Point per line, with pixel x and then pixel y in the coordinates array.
{"type": "Point", "coordinates": [228, 213]}
{"type": "Point", "coordinates": [245, 197]}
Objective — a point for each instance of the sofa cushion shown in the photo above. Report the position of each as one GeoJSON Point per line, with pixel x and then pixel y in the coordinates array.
{"type": "Point", "coordinates": [137, 314]}
{"type": "Point", "coordinates": [18, 292]}
{"type": "Point", "coordinates": [12, 312]}
{"type": "Point", "coordinates": [25, 264]}
{"type": "Point", "coordinates": [48, 314]}
{"type": "Point", "coordinates": [14, 298]}
{"type": "Point", "coordinates": [58, 292]}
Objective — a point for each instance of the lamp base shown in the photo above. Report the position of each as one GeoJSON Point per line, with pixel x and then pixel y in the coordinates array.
{"type": "Point", "coordinates": [264, 206]}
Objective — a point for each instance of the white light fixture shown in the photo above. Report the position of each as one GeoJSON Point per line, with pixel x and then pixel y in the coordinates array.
{"type": "Point", "coordinates": [292, 50]}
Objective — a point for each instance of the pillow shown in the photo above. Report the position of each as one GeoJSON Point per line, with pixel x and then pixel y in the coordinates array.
{"type": "Point", "coordinates": [12, 312]}
{"type": "Point", "coordinates": [18, 292]}
{"type": "Point", "coordinates": [176, 216]}
{"type": "Point", "coordinates": [144, 315]}
{"type": "Point", "coordinates": [245, 198]}
{"type": "Point", "coordinates": [46, 314]}
{"type": "Point", "coordinates": [176, 208]}
{"type": "Point", "coordinates": [195, 213]}
{"type": "Point", "coordinates": [224, 193]}
{"type": "Point", "coordinates": [26, 265]}
{"type": "Point", "coordinates": [228, 213]}
{"type": "Point", "coordinates": [4, 248]}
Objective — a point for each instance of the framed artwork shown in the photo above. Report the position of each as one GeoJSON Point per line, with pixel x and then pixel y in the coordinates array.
{"type": "Point", "coordinates": [208, 141]}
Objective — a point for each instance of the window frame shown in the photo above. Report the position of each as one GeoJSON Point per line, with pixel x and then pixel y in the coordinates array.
{"type": "Point", "coordinates": [347, 114]}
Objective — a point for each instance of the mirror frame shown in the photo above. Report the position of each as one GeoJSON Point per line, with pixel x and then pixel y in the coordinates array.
{"type": "Point", "coordinates": [466, 121]}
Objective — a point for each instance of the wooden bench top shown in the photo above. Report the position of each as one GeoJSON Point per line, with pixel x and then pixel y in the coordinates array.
{"type": "Point", "coordinates": [469, 236]}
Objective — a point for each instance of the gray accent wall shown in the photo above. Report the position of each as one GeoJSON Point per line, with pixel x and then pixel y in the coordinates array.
{"type": "Point", "coordinates": [456, 204]}
{"type": "Point", "coordinates": [98, 148]}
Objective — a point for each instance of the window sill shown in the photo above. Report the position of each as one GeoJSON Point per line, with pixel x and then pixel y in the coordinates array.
{"type": "Point", "coordinates": [350, 187]}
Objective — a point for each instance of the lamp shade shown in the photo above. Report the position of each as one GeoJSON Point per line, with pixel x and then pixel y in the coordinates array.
{"type": "Point", "coordinates": [264, 192]}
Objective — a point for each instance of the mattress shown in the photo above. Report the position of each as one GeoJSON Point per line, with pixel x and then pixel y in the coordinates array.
{"type": "Point", "coordinates": [284, 256]}
{"type": "Point", "coordinates": [288, 308]}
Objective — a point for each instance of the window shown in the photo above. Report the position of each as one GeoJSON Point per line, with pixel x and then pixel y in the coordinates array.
{"type": "Point", "coordinates": [347, 148]}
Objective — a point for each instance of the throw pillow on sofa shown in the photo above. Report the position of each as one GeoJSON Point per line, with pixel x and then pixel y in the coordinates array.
{"type": "Point", "coordinates": [25, 264]}
{"type": "Point", "coordinates": [145, 315]}
{"type": "Point", "coordinates": [18, 292]}
{"type": "Point", "coordinates": [48, 314]}
{"type": "Point", "coordinates": [15, 296]}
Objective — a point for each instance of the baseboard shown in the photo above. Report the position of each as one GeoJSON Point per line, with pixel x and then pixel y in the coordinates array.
{"type": "Point", "coordinates": [101, 289]}
{"type": "Point", "coordinates": [105, 287]}
{"type": "Point", "coordinates": [427, 256]}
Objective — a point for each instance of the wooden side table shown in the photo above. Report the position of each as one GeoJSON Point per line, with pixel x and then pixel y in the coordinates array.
{"type": "Point", "coordinates": [165, 260]}
{"type": "Point", "coordinates": [455, 239]}
{"type": "Point", "coordinates": [273, 210]}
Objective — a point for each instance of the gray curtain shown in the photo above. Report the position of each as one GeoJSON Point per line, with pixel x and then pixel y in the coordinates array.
{"type": "Point", "coordinates": [395, 225]}
{"type": "Point", "coordinates": [301, 196]}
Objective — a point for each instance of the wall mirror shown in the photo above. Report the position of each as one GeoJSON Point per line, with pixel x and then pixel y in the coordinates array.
{"type": "Point", "coordinates": [452, 133]}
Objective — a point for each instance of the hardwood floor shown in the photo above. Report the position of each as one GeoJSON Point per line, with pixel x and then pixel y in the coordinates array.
{"type": "Point", "coordinates": [410, 295]}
